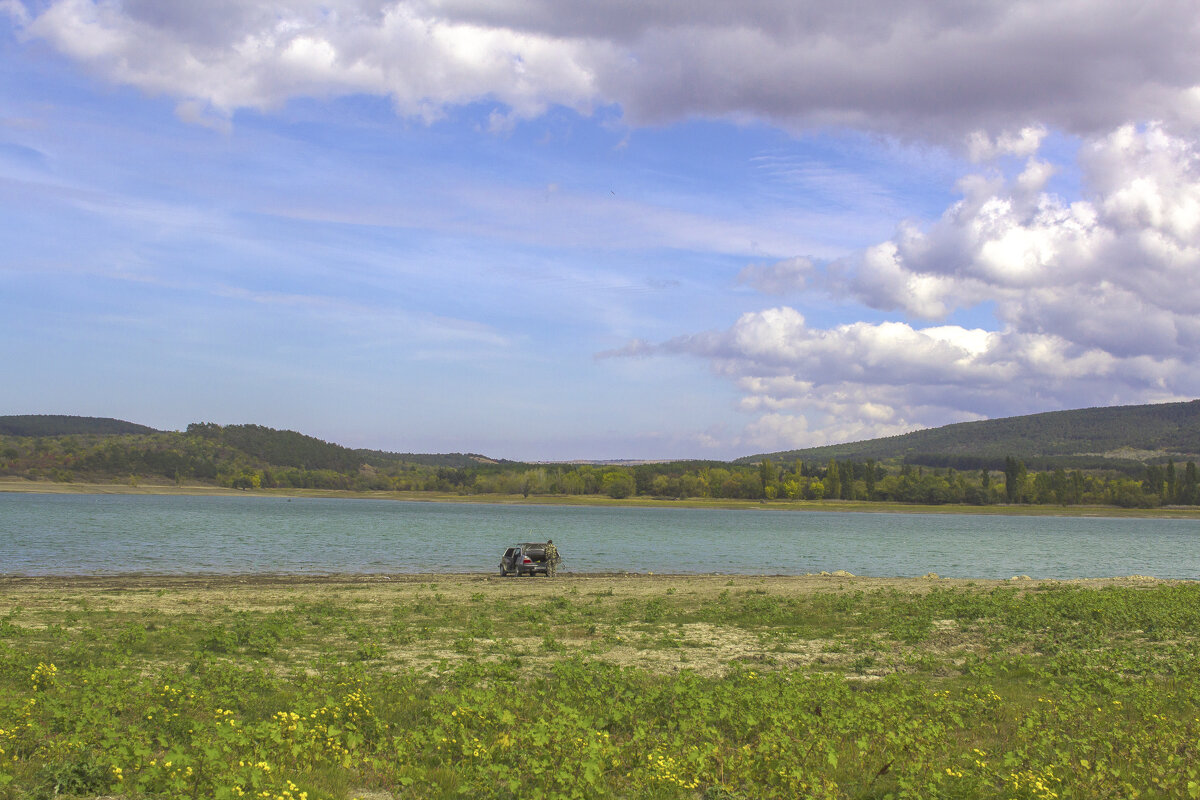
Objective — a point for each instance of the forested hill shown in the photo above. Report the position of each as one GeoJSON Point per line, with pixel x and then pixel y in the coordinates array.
{"type": "Point", "coordinates": [1086, 437]}
{"type": "Point", "coordinates": [291, 449]}
{"type": "Point", "coordinates": [62, 425]}
{"type": "Point", "coordinates": [64, 448]}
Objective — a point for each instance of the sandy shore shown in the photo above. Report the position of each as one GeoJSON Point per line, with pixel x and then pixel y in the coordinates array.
{"type": "Point", "coordinates": [460, 585]}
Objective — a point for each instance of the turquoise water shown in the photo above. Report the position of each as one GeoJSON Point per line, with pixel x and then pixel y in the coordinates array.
{"type": "Point", "coordinates": [106, 534]}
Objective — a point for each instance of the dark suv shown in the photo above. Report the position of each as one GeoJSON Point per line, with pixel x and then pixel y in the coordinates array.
{"type": "Point", "coordinates": [527, 558]}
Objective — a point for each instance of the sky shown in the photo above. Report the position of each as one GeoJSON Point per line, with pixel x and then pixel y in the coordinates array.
{"type": "Point", "coordinates": [552, 229]}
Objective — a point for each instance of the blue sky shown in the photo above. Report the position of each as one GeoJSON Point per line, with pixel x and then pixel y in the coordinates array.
{"type": "Point", "coordinates": [539, 234]}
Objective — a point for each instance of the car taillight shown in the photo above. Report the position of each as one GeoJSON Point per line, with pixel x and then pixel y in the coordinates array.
{"type": "Point", "coordinates": [527, 560]}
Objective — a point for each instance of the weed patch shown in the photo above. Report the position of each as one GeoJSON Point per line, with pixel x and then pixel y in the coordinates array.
{"type": "Point", "coordinates": [713, 692]}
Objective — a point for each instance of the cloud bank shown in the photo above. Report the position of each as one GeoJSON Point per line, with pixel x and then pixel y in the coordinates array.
{"type": "Point", "coordinates": [931, 68]}
{"type": "Point", "coordinates": [1098, 303]}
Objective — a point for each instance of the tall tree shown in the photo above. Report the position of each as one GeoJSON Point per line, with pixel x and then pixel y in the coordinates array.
{"type": "Point", "coordinates": [833, 483]}
{"type": "Point", "coordinates": [766, 474]}
{"type": "Point", "coordinates": [1190, 488]}
{"type": "Point", "coordinates": [1014, 479]}
{"type": "Point", "coordinates": [1155, 480]}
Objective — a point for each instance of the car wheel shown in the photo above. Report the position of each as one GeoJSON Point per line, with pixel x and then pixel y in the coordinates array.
{"type": "Point", "coordinates": [503, 572]}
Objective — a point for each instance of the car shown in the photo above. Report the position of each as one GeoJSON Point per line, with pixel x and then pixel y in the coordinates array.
{"type": "Point", "coordinates": [526, 558]}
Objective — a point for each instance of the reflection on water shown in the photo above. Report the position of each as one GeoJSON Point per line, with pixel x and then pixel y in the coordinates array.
{"type": "Point", "coordinates": [91, 534]}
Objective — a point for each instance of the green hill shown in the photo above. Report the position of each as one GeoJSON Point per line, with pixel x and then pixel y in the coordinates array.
{"type": "Point", "coordinates": [279, 448]}
{"type": "Point", "coordinates": [62, 425]}
{"type": "Point", "coordinates": [1118, 436]}
{"type": "Point", "coordinates": [65, 448]}
{"type": "Point", "coordinates": [284, 448]}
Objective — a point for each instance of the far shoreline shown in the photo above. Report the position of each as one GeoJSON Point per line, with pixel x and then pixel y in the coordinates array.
{"type": "Point", "coordinates": [22, 485]}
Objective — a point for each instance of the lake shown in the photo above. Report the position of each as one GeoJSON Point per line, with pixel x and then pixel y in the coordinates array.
{"type": "Point", "coordinates": [108, 534]}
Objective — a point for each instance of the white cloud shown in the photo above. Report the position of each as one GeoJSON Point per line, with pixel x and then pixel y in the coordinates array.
{"type": "Point", "coordinates": [782, 277]}
{"type": "Point", "coordinates": [1023, 143]}
{"type": "Point", "coordinates": [779, 431]}
{"type": "Point", "coordinates": [1115, 271]}
{"type": "Point", "coordinates": [814, 386]}
{"type": "Point", "coordinates": [15, 11]}
{"type": "Point", "coordinates": [196, 112]}
{"type": "Point", "coordinates": [787, 431]}
{"type": "Point", "coordinates": [935, 68]}
{"type": "Point", "coordinates": [1097, 303]}
{"type": "Point", "coordinates": [259, 56]}
{"type": "Point", "coordinates": [778, 342]}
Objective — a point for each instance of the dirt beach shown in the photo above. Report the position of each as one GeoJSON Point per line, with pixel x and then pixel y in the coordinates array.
{"type": "Point", "coordinates": [191, 593]}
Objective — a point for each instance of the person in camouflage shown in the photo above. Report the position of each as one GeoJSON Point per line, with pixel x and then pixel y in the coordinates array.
{"type": "Point", "coordinates": [552, 559]}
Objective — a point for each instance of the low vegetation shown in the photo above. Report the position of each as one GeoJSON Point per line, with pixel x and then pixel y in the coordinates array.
{"type": "Point", "coordinates": [1047, 463]}
{"type": "Point", "coordinates": [657, 687]}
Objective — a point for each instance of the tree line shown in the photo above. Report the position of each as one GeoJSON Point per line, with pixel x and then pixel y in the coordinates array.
{"type": "Point", "coordinates": [246, 457]}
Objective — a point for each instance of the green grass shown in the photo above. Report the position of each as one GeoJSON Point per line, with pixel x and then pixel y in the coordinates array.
{"type": "Point", "coordinates": [524, 690]}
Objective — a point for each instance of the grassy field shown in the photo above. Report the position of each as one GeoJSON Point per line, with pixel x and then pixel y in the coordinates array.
{"type": "Point", "coordinates": [51, 487]}
{"type": "Point", "coordinates": [598, 686]}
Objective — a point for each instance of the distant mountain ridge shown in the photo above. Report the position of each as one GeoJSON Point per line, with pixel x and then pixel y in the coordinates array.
{"type": "Point", "coordinates": [1089, 437]}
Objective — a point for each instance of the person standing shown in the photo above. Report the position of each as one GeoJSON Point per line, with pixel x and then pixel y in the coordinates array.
{"type": "Point", "coordinates": [551, 559]}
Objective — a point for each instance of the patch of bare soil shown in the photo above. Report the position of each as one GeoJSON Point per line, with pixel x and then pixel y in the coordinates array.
{"type": "Point", "coordinates": [192, 593]}
{"type": "Point", "coordinates": [704, 647]}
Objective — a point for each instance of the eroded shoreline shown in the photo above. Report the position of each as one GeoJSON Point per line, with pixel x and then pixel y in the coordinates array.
{"type": "Point", "coordinates": [454, 583]}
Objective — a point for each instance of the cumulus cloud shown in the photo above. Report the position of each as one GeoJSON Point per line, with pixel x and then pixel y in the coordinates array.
{"type": "Point", "coordinates": [1096, 303]}
{"type": "Point", "coordinates": [258, 55]}
{"type": "Point", "coordinates": [782, 277]}
{"type": "Point", "coordinates": [1115, 271]}
{"type": "Point", "coordinates": [812, 386]}
{"type": "Point", "coordinates": [934, 68]}
{"type": "Point", "coordinates": [1025, 142]}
